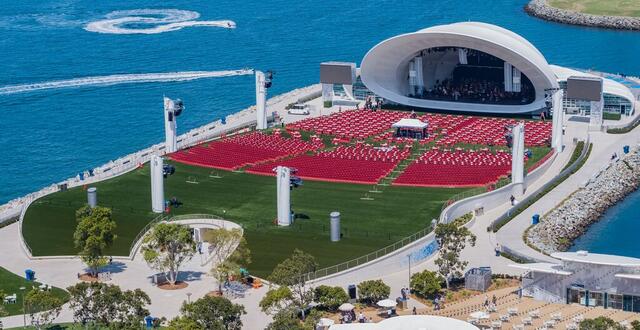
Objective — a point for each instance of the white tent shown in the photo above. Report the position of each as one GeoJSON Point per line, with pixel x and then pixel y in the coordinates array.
{"type": "Point", "coordinates": [410, 123]}
{"type": "Point", "coordinates": [386, 303]}
{"type": "Point", "coordinates": [346, 307]}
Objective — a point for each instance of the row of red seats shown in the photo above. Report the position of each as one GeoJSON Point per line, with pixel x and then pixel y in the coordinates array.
{"type": "Point", "coordinates": [354, 164]}
{"type": "Point", "coordinates": [238, 151]}
{"type": "Point", "coordinates": [469, 157]}
{"type": "Point", "coordinates": [492, 131]}
{"type": "Point", "coordinates": [352, 124]}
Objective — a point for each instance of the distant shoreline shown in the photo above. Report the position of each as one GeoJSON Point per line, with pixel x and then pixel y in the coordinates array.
{"type": "Point", "coordinates": [541, 9]}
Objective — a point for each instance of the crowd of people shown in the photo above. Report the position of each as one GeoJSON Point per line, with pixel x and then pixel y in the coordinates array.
{"type": "Point", "coordinates": [476, 90]}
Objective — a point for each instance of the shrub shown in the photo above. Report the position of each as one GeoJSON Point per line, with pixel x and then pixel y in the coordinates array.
{"type": "Point", "coordinates": [426, 283]}
{"type": "Point", "coordinates": [370, 292]}
{"type": "Point", "coordinates": [330, 297]}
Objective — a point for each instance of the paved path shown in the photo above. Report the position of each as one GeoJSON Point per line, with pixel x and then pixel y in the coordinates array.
{"type": "Point", "coordinates": [604, 145]}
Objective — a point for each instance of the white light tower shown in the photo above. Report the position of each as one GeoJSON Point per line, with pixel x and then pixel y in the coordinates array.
{"type": "Point", "coordinates": [157, 185]}
{"type": "Point", "coordinates": [517, 160]}
{"type": "Point", "coordinates": [261, 100]}
{"type": "Point", "coordinates": [558, 114]}
{"type": "Point", "coordinates": [283, 175]}
{"type": "Point", "coordinates": [172, 109]}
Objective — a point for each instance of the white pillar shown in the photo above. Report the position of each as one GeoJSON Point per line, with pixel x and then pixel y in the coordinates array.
{"type": "Point", "coordinates": [419, 73]}
{"type": "Point", "coordinates": [261, 101]}
{"type": "Point", "coordinates": [558, 114]}
{"type": "Point", "coordinates": [284, 195]}
{"type": "Point", "coordinates": [170, 127]}
{"type": "Point", "coordinates": [517, 160]}
{"type": "Point", "coordinates": [596, 117]}
{"type": "Point", "coordinates": [412, 78]}
{"type": "Point", "coordinates": [157, 185]}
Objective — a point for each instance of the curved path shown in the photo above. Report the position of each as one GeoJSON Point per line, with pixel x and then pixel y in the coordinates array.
{"type": "Point", "coordinates": [128, 274]}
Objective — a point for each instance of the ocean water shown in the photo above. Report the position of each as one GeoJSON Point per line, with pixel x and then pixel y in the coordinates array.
{"type": "Point", "coordinates": [616, 232]}
{"type": "Point", "coordinates": [50, 134]}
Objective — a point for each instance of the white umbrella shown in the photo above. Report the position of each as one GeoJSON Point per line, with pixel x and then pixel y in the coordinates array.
{"type": "Point", "coordinates": [346, 307]}
{"type": "Point", "coordinates": [324, 322]}
{"type": "Point", "coordinates": [387, 303]}
{"type": "Point", "coordinates": [479, 315]}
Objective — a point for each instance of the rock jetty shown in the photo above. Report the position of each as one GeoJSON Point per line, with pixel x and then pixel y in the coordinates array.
{"type": "Point", "coordinates": [541, 9]}
{"type": "Point", "coordinates": [558, 228]}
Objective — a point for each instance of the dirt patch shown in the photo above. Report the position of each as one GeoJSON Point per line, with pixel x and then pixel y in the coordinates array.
{"type": "Point", "coordinates": [88, 278]}
{"type": "Point", "coordinates": [169, 286]}
{"type": "Point", "coordinates": [214, 293]}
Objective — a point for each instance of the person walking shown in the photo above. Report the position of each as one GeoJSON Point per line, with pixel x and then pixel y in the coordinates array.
{"type": "Point", "coordinates": [414, 311]}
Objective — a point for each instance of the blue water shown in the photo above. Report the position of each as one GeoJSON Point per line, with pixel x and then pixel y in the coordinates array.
{"type": "Point", "coordinates": [46, 136]}
{"type": "Point", "coordinates": [616, 232]}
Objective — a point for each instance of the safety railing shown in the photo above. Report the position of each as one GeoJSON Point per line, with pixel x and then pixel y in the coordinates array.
{"type": "Point", "coordinates": [368, 257]}
{"type": "Point", "coordinates": [136, 240]}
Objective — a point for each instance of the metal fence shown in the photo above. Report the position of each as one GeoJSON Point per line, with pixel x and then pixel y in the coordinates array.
{"type": "Point", "coordinates": [525, 203]}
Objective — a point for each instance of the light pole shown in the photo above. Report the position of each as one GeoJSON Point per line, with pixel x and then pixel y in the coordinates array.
{"type": "Point", "coordinates": [24, 315]}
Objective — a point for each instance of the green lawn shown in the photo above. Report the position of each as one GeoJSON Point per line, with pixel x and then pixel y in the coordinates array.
{"type": "Point", "coordinates": [248, 200]}
{"type": "Point", "coordinates": [10, 283]}
{"type": "Point", "coordinates": [601, 7]}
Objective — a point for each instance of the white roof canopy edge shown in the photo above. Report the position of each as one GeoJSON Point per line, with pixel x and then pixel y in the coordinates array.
{"type": "Point", "coordinates": [383, 68]}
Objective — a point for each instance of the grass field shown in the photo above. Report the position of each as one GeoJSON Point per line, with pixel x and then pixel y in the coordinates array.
{"type": "Point", "coordinates": [10, 283]}
{"type": "Point", "coordinates": [249, 200]}
{"type": "Point", "coordinates": [601, 7]}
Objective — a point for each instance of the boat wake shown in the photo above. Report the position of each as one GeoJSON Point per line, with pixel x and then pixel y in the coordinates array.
{"type": "Point", "coordinates": [122, 79]}
{"type": "Point", "coordinates": [151, 21]}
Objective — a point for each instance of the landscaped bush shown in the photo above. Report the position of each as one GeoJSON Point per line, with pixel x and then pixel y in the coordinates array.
{"type": "Point", "coordinates": [370, 292]}
{"type": "Point", "coordinates": [426, 283]}
{"type": "Point", "coordinates": [330, 297]}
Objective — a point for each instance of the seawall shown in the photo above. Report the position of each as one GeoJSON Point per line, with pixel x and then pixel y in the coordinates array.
{"type": "Point", "coordinates": [573, 216]}
{"type": "Point", "coordinates": [541, 9]}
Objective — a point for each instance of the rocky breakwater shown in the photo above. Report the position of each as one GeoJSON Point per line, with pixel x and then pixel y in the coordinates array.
{"type": "Point", "coordinates": [559, 227]}
{"type": "Point", "coordinates": [541, 9]}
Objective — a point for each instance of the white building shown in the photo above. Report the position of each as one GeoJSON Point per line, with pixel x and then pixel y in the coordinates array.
{"type": "Point", "coordinates": [472, 67]}
{"type": "Point", "coordinates": [584, 278]}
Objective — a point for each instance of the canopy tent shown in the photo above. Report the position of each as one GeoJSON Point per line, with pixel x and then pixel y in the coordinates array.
{"type": "Point", "coordinates": [411, 127]}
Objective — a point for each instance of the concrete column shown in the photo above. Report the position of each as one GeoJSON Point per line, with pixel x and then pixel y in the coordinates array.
{"type": "Point", "coordinates": [412, 78]}
{"type": "Point", "coordinates": [517, 160]}
{"type": "Point", "coordinates": [170, 126]}
{"type": "Point", "coordinates": [92, 197]}
{"type": "Point", "coordinates": [419, 73]}
{"type": "Point", "coordinates": [596, 118]}
{"type": "Point", "coordinates": [261, 101]}
{"type": "Point", "coordinates": [157, 185]}
{"type": "Point", "coordinates": [558, 119]}
{"type": "Point", "coordinates": [334, 219]}
{"type": "Point", "coordinates": [283, 187]}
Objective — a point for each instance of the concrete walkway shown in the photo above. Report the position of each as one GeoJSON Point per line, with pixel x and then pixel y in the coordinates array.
{"type": "Point", "coordinates": [604, 145]}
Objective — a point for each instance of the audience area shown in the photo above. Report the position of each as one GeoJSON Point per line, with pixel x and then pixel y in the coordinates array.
{"type": "Point", "coordinates": [243, 150]}
{"type": "Point", "coordinates": [456, 169]}
{"type": "Point", "coordinates": [353, 164]}
{"type": "Point", "coordinates": [352, 124]}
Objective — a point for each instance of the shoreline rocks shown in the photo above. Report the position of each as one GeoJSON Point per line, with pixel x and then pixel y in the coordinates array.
{"type": "Point", "coordinates": [568, 221]}
{"type": "Point", "coordinates": [541, 9]}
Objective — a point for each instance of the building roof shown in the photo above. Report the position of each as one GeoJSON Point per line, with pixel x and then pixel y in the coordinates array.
{"type": "Point", "coordinates": [610, 86]}
{"type": "Point", "coordinates": [543, 267]}
{"type": "Point", "coordinates": [410, 123]}
{"type": "Point", "coordinates": [383, 67]}
{"type": "Point", "coordinates": [597, 259]}
{"type": "Point", "coordinates": [410, 322]}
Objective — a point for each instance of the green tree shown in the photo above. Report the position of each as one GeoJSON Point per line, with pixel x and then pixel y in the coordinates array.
{"type": "Point", "coordinates": [292, 272]}
{"type": "Point", "coordinates": [166, 247]}
{"type": "Point", "coordinates": [3, 312]}
{"type": "Point", "coordinates": [107, 305]}
{"type": "Point", "coordinates": [600, 323]}
{"type": "Point", "coordinates": [43, 307]}
{"type": "Point", "coordinates": [276, 300]}
{"type": "Point", "coordinates": [211, 313]}
{"type": "Point", "coordinates": [372, 291]}
{"type": "Point", "coordinates": [635, 325]}
{"type": "Point", "coordinates": [426, 283]}
{"type": "Point", "coordinates": [452, 239]}
{"type": "Point", "coordinates": [330, 297]}
{"type": "Point", "coordinates": [229, 252]}
{"type": "Point", "coordinates": [285, 320]}
{"type": "Point", "coordinates": [94, 233]}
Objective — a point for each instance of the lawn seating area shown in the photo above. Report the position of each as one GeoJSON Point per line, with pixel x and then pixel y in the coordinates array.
{"type": "Point", "coordinates": [11, 283]}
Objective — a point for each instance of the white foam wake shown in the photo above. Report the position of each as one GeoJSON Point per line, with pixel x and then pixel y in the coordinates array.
{"type": "Point", "coordinates": [122, 79]}
{"type": "Point", "coordinates": [157, 20]}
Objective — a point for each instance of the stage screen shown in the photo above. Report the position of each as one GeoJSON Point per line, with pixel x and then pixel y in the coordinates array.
{"type": "Point", "coordinates": [584, 88]}
{"type": "Point", "coordinates": [337, 73]}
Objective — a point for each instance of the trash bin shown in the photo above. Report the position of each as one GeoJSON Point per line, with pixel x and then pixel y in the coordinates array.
{"type": "Point", "coordinates": [30, 275]}
{"type": "Point", "coordinates": [352, 291]}
{"type": "Point", "coordinates": [625, 149]}
{"type": "Point", "coordinates": [535, 219]}
{"type": "Point", "coordinates": [148, 321]}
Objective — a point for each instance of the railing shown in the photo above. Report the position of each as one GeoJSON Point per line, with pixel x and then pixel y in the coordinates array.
{"type": "Point", "coordinates": [133, 248]}
{"type": "Point", "coordinates": [368, 257]}
{"type": "Point", "coordinates": [525, 203]}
